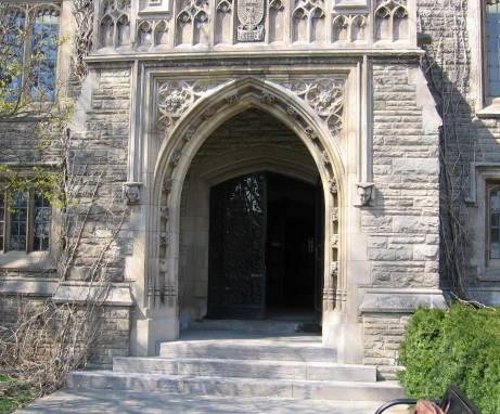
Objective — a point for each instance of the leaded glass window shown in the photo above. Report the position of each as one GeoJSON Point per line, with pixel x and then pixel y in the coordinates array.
{"type": "Point", "coordinates": [493, 46]}
{"type": "Point", "coordinates": [41, 220]}
{"type": "Point", "coordinates": [18, 221]}
{"type": "Point", "coordinates": [28, 49]}
{"type": "Point", "coordinates": [494, 223]}
{"type": "Point", "coordinates": [25, 222]}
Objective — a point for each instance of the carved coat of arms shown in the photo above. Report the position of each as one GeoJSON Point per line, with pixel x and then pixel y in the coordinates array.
{"type": "Point", "coordinates": [250, 14]}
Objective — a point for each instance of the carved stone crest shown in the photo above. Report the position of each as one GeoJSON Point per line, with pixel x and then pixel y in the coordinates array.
{"type": "Point", "coordinates": [250, 14]}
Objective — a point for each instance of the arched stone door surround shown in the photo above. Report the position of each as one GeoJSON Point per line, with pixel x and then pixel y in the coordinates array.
{"type": "Point", "coordinates": [184, 140]}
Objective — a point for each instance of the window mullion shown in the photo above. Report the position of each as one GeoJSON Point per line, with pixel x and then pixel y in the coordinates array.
{"type": "Point", "coordinates": [30, 221]}
{"type": "Point", "coordinates": [27, 51]}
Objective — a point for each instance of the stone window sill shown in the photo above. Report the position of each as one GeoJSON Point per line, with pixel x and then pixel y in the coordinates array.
{"type": "Point", "coordinates": [31, 262]}
{"type": "Point", "coordinates": [491, 273]}
{"type": "Point", "coordinates": [490, 111]}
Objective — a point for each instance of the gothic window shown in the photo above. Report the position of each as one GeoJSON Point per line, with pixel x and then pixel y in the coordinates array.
{"type": "Point", "coordinates": [29, 44]}
{"type": "Point", "coordinates": [25, 221]}
{"type": "Point", "coordinates": [494, 223]}
{"type": "Point", "coordinates": [493, 47]}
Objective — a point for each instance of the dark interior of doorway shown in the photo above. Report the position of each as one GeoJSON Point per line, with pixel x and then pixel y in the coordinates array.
{"type": "Point", "coordinates": [288, 250]}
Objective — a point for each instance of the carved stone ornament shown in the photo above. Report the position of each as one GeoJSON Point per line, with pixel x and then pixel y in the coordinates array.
{"type": "Point", "coordinates": [335, 241]}
{"type": "Point", "coordinates": [335, 214]}
{"type": "Point", "coordinates": [167, 185]}
{"type": "Point", "coordinates": [334, 269]}
{"type": "Point", "coordinates": [174, 98]}
{"type": "Point", "coordinates": [164, 213]}
{"type": "Point", "coordinates": [311, 134]}
{"type": "Point", "coordinates": [365, 193]}
{"type": "Point", "coordinates": [250, 14]}
{"type": "Point", "coordinates": [325, 97]}
{"type": "Point", "coordinates": [333, 186]}
{"type": "Point", "coordinates": [267, 98]}
{"type": "Point", "coordinates": [132, 192]}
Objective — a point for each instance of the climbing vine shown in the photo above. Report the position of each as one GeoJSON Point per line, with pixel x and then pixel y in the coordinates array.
{"type": "Point", "coordinates": [446, 65]}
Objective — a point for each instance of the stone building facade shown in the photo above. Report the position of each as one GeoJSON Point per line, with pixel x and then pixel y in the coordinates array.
{"type": "Point", "coordinates": [383, 108]}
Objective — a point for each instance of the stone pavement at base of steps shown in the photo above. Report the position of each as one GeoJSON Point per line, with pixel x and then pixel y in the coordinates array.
{"type": "Point", "coordinates": [131, 402]}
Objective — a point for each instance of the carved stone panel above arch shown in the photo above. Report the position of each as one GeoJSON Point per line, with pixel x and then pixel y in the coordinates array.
{"type": "Point", "coordinates": [325, 96]}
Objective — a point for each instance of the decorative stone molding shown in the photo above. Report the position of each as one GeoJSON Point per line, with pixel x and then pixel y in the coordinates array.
{"type": "Point", "coordinates": [350, 4]}
{"type": "Point", "coordinates": [329, 299]}
{"type": "Point", "coordinates": [365, 193]}
{"type": "Point", "coordinates": [306, 20]}
{"type": "Point", "coordinates": [350, 28]}
{"type": "Point", "coordinates": [290, 24]}
{"type": "Point", "coordinates": [114, 23]}
{"type": "Point", "coordinates": [152, 32]}
{"type": "Point", "coordinates": [391, 20]}
{"type": "Point", "coordinates": [103, 293]}
{"type": "Point", "coordinates": [401, 300]}
{"type": "Point", "coordinates": [325, 96]}
{"type": "Point", "coordinates": [132, 192]}
{"type": "Point", "coordinates": [191, 22]}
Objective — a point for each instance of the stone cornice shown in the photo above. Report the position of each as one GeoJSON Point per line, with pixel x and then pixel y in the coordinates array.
{"type": "Point", "coordinates": [245, 56]}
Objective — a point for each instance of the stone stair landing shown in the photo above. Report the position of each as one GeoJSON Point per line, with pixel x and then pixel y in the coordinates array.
{"type": "Point", "coordinates": [231, 361]}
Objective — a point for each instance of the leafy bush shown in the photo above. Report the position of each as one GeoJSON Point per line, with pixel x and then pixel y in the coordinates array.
{"type": "Point", "coordinates": [459, 346]}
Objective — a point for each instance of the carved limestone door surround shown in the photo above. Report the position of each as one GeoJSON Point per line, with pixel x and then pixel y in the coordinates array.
{"type": "Point", "coordinates": [186, 111]}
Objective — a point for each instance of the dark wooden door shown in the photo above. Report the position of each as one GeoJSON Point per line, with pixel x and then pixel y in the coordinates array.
{"type": "Point", "coordinates": [237, 270]}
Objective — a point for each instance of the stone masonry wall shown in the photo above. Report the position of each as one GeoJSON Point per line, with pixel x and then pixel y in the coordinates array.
{"type": "Point", "coordinates": [465, 138]}
{"type": "Point", "coordinates": [100, 150]}
{"type": "Point", "coordinates": [381, 340]}
{"type": "Point", "coordinates": [112, 326]}
{"type": "Point", "coordinates": [402, 226]}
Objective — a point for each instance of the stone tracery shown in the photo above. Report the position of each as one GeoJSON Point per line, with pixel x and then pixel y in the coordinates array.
{"type": "Point", "coordinates": [325, 96]}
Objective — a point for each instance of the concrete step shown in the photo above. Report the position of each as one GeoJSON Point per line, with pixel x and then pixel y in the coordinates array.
{"type": "Point", "coordinates": [237, 387]}
{"type": "Point", "coordinates": [243, 346]}
{"type": "Point", "coordinates": [318, 371]}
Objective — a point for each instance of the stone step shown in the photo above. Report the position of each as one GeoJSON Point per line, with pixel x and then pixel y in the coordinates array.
{"type": "Point", "coordinates": [237, 387]}
{"type": "Point", "coordinates": [275, 327]}
{"type": "Point", "coordinates": [242, 345]}
{"type": "Point", "coordinates": [320, 371]}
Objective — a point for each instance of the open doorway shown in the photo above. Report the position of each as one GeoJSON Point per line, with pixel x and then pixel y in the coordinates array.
{"type": "Point", "coordinates": [264, 248]}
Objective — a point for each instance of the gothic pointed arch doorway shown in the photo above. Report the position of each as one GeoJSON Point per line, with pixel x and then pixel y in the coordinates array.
{"type": "Point", "coordinates": [251, 228]}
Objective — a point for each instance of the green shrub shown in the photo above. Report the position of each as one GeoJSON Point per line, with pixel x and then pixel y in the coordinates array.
{"type": "Point", "coordinates": [459, 346]}
{"type": "Point", "coordinates": [13, 394]}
